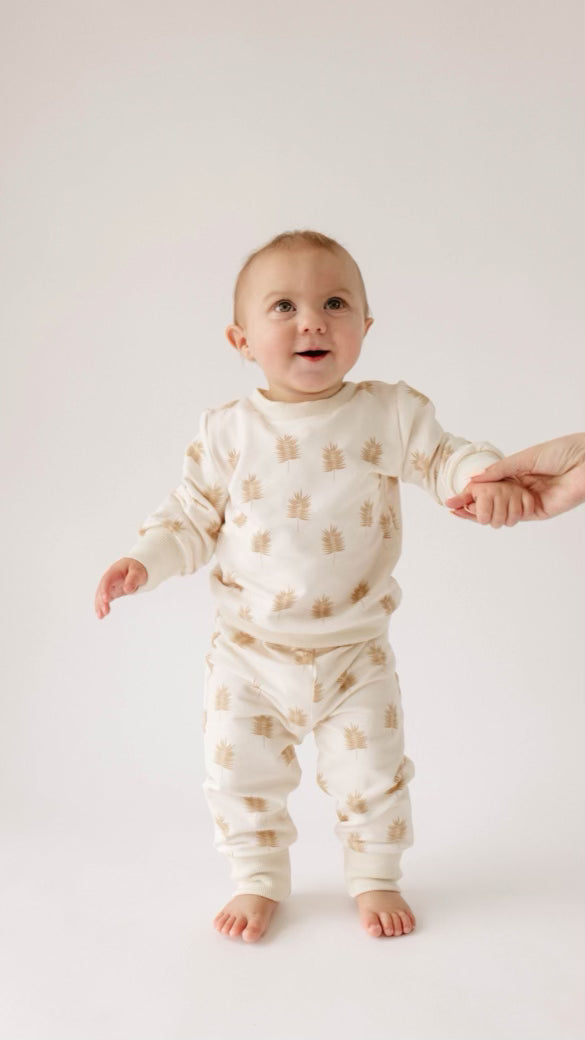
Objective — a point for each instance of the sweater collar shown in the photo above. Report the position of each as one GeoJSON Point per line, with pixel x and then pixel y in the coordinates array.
{"type": "Point", "coordinates": [299, 409]}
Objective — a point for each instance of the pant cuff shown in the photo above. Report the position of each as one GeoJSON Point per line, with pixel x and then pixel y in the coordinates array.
{"type": "Point", "coordinates": [366, 871]}
{"type": "Point", "coordinates": [265, 875]}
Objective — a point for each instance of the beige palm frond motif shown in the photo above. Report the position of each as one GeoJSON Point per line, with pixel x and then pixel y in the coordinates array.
{"type": "Point", "coordinates": [399, 781]}
{"type": "Point", "coordinates": [397, 829]}
{"type": "Point", "coordinates": [251, 488]}
{"type": "Point", "coordinates": [222, 824]}
{"type": "Point", "coordinates": [301, 655]}
{"type": "Point", "coordinates": [416, 393]}
{"type": "Point", "coordinates": [242, 638]}
{"type": "Point", "coordinates": [226, 579]}
{"type": "Point", "coordinates": [386, 524]}
{"type": "Point", "coordinates": [317, 691]}
{"type": "Point", "coordinates": [263, 726]}
{"type": "Point", "coordinates": [420, 462]}
{"type": "Point", "coordinates": [233, 457]}
{"type": "Point", "coordinates": [215, 494]}
{"type": "Point", "coordinates": [246, 614]}
{"type": "Point", "coordinates": [357, 803]}
{"type": "Point", "coordinates": [222, 698]}
{"type": "Point", "coordinates": [360, 590]}
{"type": "Point", "coordinates": [332, 540]}
{"type": "Point", "coordinates": [299, 506]}
{"type": "Point", "coordinates": [387, 604]}
{"type": "Point", "coordinates": [345, 680]}
{"type": "Point", "coordinates": [267, 838]}
{"type": "Point", "coordinates": [446, 452]}
{"type": "Point", "coordinates": [288, 754]}
{"type": "Point", "coordinates": [365, 384]}
{"type": "Point", "coordinates": [297, 717]}
{"type": "Point", "coordinates": [377, 655]}
{"type": "Point", "coordinates": [341, 816]}
{"type": "Point", "coordinates": [322, 607]}
{"type": "Point", "coordinates": [356, 843]}
{"type": "Point", "coordinates": [391, 717]}
{"type": "Point", "coordinates": [322, 783]}
{"type": "Point", "coordinates": [254, 804]}
{"type": "Point", "coordinates": [395, 520]}
{"type": "Point", "coordinates": [333, 458]}
{"type": "Point", "coordinates": [367, 513]}
{"type": "Point", "coordinates": [372, 451]}
{"type": "Point", "coordinates": [355, 738]}
{"type": "Point", "coordinates": [224, 754]}
{"type": "Point", "coordinates": [284, 600]}
{"type": "Point", "coordinates": [196, 451]}
{"type": "Point", "coordinates": [261, 542]}
{"type": "Point", "coordinates": [287, 448]}
{"type": "Point", "coordinates": [240, 519]}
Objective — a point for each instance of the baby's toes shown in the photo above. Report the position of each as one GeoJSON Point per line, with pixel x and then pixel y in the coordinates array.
{"type": "Point", "coordinates": [238, 927]}
{"type": "Point", "coordinates": [397, 922]}
{"type": "Point", "coordinates": [254, 928]}
{"type": "Point", "coordinates": [371, 923]}
{"type": "Point", "coordinates": [407, 925]}
{"type": "Point", "coordinates": [227, 924]}
{"type": "Point", "coordinates": [387, 923]}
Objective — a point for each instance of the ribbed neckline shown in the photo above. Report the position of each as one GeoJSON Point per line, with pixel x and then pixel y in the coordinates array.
{"type": "Point", "coordinates": [299, 409]}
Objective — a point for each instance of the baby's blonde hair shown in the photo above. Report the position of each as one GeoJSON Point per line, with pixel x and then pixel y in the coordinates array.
{"type": "Point", "coordinates": [289, 240]}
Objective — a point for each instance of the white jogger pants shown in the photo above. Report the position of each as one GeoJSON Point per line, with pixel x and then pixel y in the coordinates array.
{"type": "Point", "coordinates": [261, 698]}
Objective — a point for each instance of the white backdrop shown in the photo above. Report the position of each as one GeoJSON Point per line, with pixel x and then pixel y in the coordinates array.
{"type": "Point", "coordinates": [147, 149]}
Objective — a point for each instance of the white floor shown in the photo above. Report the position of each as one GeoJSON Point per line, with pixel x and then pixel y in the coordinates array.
{"type": "Point", "coordinates": [106, 933]}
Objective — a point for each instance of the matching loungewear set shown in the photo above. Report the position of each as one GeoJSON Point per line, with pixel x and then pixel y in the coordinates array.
{"type": "Point", "coordinates": [300, 504]}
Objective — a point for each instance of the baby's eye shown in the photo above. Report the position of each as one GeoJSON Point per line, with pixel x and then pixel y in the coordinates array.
{"type": "Point", "coordinates": [337, 299]}
{"type": "Point", "coordinates": [281, 301]}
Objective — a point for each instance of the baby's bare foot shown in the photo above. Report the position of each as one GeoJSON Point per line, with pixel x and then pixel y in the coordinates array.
{"type": "Point", "coordinates": [385, 913]}
{"type": "Point", "coordinates": [245, 915]}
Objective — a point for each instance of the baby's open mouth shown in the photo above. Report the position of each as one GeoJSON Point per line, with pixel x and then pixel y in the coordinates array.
{"type": "Point", "coordinates": [312, 353]}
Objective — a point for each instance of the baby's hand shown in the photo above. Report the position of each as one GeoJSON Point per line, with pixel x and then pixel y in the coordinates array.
{"type": "Point", "coordinates": [122, 578]}
{"type": "Point", "coordinates": [495, 503]}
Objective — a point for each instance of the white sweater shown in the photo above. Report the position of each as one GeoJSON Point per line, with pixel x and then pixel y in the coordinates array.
{"type": "Point", "coordinates": [300, 503]}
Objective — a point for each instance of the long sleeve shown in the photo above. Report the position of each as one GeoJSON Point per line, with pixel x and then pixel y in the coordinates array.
{"type": "Point", "coordinates": [435, 460]}
{"type": "Point", "coordinates": [180, 536]}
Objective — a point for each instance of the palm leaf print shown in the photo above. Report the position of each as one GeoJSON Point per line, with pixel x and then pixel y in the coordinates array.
{"type": "Point", "coordinates": [322, 607]}
{"type": "Point", "coordinates": [287, 448]}
{"type": "Point", "coordinates": [222, 698]}
{"type": "Point", "coordinates": [345, 680]}
{"type": "Point", "coordinates": [195, 451]}
{"type": "Point", "coordinates": [387, 604]}
{"type": "Point", "coordinates": [332, 540]}
{"type": "Point", "coordinates": [288, 754]}
{"type": "Point", "coordinates": [256, 804]}
{"type": "Point", "coordinates": [377, 655]}
{"type": "Point", "coordinates": [263, 726]}
{"type": "Point", "coordinates": [267, 838]}
{"type": "Point", "coordinates": [386, 524]}
{"type": "Point", "coordinates": [365, 384]}
{"type": "Point", "coordinates": [397, 829]}
{"type": "Point", "coordinates": [341, 816]}
{"type": "Point", "coordinates": [357, 803]}
{"type": "Point", "coordinates": [297, 717]}
{"type": "Point", "coordinates": [242, 638]}
{"type": "Point", "coordinates": [224, 754]}
{"type": "Point", "coordinates": [420, 462]}
{"type": "Point", "coordinates": [372, 451]}
{"type": "Point", "coordinates": [359, 591]}
{"type": "Point", "coordinates": [416, 393]}
{"type": "Point", "coordinates": [322, 783]}
{"type": "Point", "coordinates": [317, 691]}
{"type": "Point", "coordinates": [366, 513]}
{"type": "Point", "coordinates": [222, 824]}
{"type": "Point", "coordinates": [391, 717]}
{"type": "Point", "coordinates": [251, 488]}
{"type": "Point", "coordinates": [261, 542]}
{"type": "Point", "coordinates": [446, 452]}
{"type": "Point", "coordinates": [395, 519]}
{"type": "Point", "coordinates": [355, 738]}
{"type": "Point", "coordinates": [333, 458]}
{"type": "Point", "coordinates": [302, 656]}
{"type": "Point", "coordinates": [284, 599]}
{"type": "Point", "coordinates": [214, 494]}
{"type": "Point", "coordinates": [398, 780]}
{"type": "Point", "coordinates": [240, 519]}
{"type": "Point", "coordinates": [356, 843]}
{"type": "Point", "coordinates": [227, 579]}
{"type": "Point", "coordinates": [298, 507]}
{"type": "Point", "coordinates": [233, 457]}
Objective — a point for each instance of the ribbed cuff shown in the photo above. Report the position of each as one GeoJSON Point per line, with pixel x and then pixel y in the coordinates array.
{"type": "Point", "coordinates": [263, 875]}
{"type": "Point", "coordinates": [367, 871]}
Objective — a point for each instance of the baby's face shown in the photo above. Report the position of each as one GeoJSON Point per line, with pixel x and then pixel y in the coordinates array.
{"type": "Point", "coordinates": [306, 299]}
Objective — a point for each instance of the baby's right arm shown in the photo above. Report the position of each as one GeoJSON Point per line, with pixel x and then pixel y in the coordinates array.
{"type": "Point", "coordinates": [121, 579]}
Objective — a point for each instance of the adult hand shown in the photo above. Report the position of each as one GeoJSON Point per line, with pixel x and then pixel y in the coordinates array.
{"type": "Point", "coordinates": [554, 472]}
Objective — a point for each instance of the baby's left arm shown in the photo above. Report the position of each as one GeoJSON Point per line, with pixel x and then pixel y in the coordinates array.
{"type": "Point", "coordinates": [497, 503]}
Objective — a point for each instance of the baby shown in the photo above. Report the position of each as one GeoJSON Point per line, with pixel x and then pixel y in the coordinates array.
{"type": "Point", "coordinates": [295, 490]}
